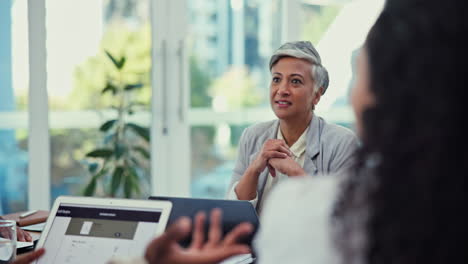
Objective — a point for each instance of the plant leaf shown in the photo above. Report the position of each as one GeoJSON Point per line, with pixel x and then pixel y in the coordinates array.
{"type": "Point", "coordinates": [90, 188]}
{"type": "Point", "coordinates": [130, 87]}
{"type": "Point", "coordinates": [142, 151]}
{"type": "Point", "coordinates": [109, 88]}
{"type": "Point", "coordinates": [116, 63]}
{"type": "Point", "coordinates": [134, 179]}
{"type": "Point", "coordinates": [120, 149]}
{"type": "Point", "coordinates": [102, 172]}
{"type": "Point", "coordinates": [133, 173]}
{"type": "Point", "coordinates": [141, 131]}
{"type": "Point", "coordinates": [116, 180]}
{"type": "Point", "coordinates": [100, 153]}
{"type": "Point", "coordinates": [128, 186]}
{"type": "Point", "coordinates": [107, 125]}
{"type": "Point", "coordinates": [135, 161]}
{"type": "Point", "coordinates": [136, 187]}
{"type": "Point", "coordinates": [121, 62]}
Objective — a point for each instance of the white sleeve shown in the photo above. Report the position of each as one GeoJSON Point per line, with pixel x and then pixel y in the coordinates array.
{"type": "Point", "coordinates": [296, 222]}
{"type": "Point", "coordinates": [139, 260]}
{"type": "Point", "coordinates": [232, 195]}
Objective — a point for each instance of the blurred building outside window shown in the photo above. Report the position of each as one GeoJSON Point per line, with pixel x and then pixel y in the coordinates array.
{"type": "Point", "coordinates": [229, 43]}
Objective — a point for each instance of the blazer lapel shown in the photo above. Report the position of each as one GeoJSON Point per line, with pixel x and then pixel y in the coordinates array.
{"type": "Point", "coordinates": [313, 145]}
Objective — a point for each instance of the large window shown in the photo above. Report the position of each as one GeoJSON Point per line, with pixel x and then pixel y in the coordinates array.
{"type": "Point", "coordinates": [338, 29]}
{"type": "Point", "coordinates": [232, 42]}
{"type": "Point", "coordinates": [79, 33]}
{"type": "Point", "coordinates": [196, 72]}
{"type": "Point", "coordinates": [14, 99]}
{"type": "Point", "coordinates": [229, 47]}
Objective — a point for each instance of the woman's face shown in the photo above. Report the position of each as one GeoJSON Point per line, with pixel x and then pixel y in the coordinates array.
{"type": "Point", "coordinates": [361, 97]}
{"type": "Point", "coordinates": [292, 89]}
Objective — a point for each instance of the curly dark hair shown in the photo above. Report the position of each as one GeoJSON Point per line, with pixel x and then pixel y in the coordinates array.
{"type": "Point", "coordinates": [405, 200]}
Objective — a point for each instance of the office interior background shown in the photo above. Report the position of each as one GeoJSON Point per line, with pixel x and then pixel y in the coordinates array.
{"type": "Point", "coordinates": [203, 70]}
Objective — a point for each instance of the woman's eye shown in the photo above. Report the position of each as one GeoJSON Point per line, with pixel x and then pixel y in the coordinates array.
{"type": "Point", "coordinates": [275, 79]}
{"type": "Point", "coordinates": [296, 81]}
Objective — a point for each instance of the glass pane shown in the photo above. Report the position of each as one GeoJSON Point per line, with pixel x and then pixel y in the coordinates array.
{"type": "Point", "coordinates": [13, 105]}
{"type": "Point", "coordinates": [214, 151]}
{"type": "Point", "coordinates": [98, 72]}
{"type": "Point", "coordinates": [68, 147]}
{"type": "Point", "coordinates": [338, 30]}
{"type": "Point", "coordinates": [230, 44]}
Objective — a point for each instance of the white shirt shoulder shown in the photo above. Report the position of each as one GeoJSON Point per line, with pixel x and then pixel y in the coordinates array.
{"type": "Point", "coordinates": [296, 226]}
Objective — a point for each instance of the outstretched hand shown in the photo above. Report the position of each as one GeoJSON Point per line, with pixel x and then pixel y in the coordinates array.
{"type": "Point", "coordinates": [166, 250]}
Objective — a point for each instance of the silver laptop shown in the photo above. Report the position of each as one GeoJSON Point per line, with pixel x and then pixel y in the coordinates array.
{"type": "Point", "coordinates": [95, 230]}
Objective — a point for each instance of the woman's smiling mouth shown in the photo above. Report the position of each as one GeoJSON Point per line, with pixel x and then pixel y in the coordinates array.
{"type": "Point", "coordinates": [283, 103]}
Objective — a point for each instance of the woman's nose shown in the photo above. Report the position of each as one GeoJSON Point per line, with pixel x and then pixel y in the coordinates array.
{"type": "Point", "coordinates": [283, 90]}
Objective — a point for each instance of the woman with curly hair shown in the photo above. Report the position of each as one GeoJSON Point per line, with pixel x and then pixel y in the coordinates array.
{"type": "Point", "coordinates": [404, 200]}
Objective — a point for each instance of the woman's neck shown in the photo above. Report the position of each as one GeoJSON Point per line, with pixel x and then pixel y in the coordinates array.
{"type": "Point", "coordinates": [293, 129]}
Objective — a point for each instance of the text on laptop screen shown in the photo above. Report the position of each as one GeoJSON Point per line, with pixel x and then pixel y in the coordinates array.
{"type": "Point", "coordinates": [95, 234]}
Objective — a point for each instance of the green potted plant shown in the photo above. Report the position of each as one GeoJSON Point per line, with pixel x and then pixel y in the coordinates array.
{"type": "Point", "coordinates": [116, 167]}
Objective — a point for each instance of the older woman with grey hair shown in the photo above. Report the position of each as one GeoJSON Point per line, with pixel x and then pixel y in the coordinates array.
{"type": "Point", "coordinates": [298, 143]}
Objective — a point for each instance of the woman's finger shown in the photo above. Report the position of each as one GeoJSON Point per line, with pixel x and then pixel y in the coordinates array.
{"type": "Point", "coordinates": [284, 149]}
{"type": "Point", "coordinates": [215, 234]}
{"type": "Point", "coordinates": [241, 230]}
{"type": "Point", "coordinates": [198, 236]}
{"type": "Point", "coordinates": [275, 154]}
{"type": "Point", "coordinates": [20, 235]}
{"type": "Point", "coordinates": [23, 235]}
{"type": "Point", "coordinates": [275, 144]}
{"type": "Point", "coordinates": [173, 234]}
{"type": "Point", "coordinates": [271, 170]}
{"type": "Point", "coordinates": [27, 235]}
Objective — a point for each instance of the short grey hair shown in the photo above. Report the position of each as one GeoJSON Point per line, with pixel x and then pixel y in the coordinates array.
{"type": "Point", "coordinates": [304, 50]}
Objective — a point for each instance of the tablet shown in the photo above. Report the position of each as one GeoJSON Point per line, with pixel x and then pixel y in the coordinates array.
{"type": "Point", "coordinates": [94, 230]}
{"type": "Point", "coordinates": [234, 213]}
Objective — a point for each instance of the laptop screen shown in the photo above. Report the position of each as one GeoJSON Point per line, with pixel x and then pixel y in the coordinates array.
{"type": "Point", "coordinates": [95, 234]}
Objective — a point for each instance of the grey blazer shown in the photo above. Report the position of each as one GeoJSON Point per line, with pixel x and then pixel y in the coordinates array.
{"type": "Point", "coordinates": [329, 149]}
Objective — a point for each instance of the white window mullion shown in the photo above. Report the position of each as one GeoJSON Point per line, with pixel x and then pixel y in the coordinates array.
{"type": "Point", "coordinates": [178, 90]}
{"type": "Point", "coordinates": [291, 19]}
{"type": "Point", "coordinates": [159, 120]}
{"type": "Point", "coordinates": [238, 49]}
{"type": "Point", "coordinates": [170, 145]}
{"type": "Point", "coordinates": [38, 140]}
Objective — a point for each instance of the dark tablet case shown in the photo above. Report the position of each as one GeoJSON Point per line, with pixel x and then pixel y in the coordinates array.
{"type": "Point", "coordinates": [234, 213]}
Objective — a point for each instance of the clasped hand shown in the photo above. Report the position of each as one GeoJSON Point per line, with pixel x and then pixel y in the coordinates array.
{"type": "Point", "coordinates": [275, 155]}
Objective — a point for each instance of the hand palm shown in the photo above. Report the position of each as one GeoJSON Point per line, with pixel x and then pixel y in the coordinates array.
{"type": "Point", "coordinates": [206, 255]}
{"type": "Point", "coordinates": [166, 250]}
